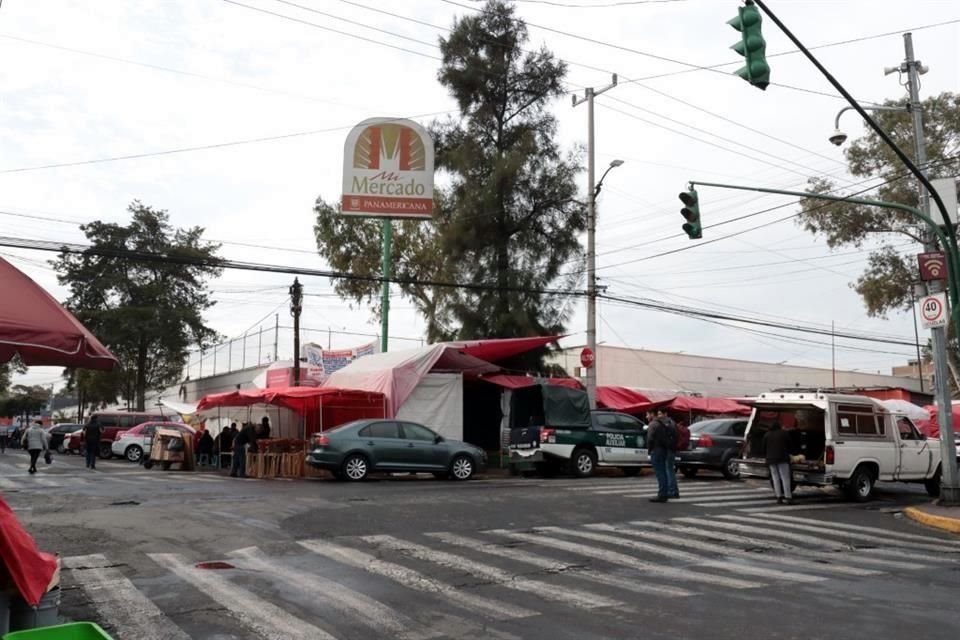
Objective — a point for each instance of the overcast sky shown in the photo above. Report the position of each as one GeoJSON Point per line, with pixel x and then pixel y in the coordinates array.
{"type": "Point", "coordinates": [83, 81]}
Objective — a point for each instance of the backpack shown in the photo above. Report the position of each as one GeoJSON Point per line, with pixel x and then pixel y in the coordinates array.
{"type": "Point", "coordinates": [683, 437]}
{"type": "Point", "coordinates": [668, 434]}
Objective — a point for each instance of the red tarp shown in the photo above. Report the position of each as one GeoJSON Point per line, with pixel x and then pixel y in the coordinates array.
{"type": "Point", "coordinates": [324, 407]}
{"type": "Point", "coordinates": [35, 326]}
{"type": "Point", "coordinates": [710, 406]}
{"type": "Point", "coordinates": [518, 382]}
{"type": "Point", "coordinates": [931, 428]}
{"type": "Point", "coordinates": [494, 350]}
{"type": "Point", "coordinates": [30, 569]}
{"type": "Point", "coordinates": [627, 400]}
{"type": "Point", "coordinates": [634, 401]}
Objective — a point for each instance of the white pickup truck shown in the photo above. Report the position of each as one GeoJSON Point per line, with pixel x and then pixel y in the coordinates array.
{"type": "Point", "coordinates": [843, 440]}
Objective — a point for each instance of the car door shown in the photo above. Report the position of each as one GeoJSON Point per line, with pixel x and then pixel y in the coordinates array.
{"type": "Point", "coordinates": [915, 454]}
{"type": "Point", "coordinates": [728, 439]}
{"type": "Point", "coordinates": [635, 440]}
{"type": "Point", "coordinates": [382, 442]}
{"type": "Point", "coordinates": [607, 437]}
{"type": "Point", "coordinates": [422, 447]}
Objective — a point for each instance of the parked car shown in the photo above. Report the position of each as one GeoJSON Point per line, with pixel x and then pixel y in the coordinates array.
{"type": "Point", "coordinates": [843, 440]}
{"type": "Point", "coordinates": [715, 445]}
{"type": "Point", "coordinates": [58, 432]}
{"type": "Point", "coordinates": [115, 422]}
{"type": "Point", "coordinates": [353, 450]}
{"type": "Point", "coordinates": [610, 439]}
{"type": "Point", "coordinates": [132, 443]}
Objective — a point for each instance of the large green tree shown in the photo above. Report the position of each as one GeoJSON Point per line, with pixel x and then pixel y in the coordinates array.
{"type": "Point", "coordinates": [507, 216]}
{"type": "Point", "coordinates": [24, 401]}
{"type": "Point", "coordinates": [148, 312]}
{"type": "Point", "coordinates": [885, 285]}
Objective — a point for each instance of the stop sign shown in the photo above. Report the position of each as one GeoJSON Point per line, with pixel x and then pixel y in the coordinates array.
{"type": "Point", "coordinates": [586, 357]}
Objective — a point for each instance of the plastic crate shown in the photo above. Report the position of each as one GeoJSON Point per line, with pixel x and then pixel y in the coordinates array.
{"type": "Point", "coordinates": [72, 631]}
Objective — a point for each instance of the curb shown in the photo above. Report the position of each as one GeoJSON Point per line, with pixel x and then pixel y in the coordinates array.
{"type": "Point", "coordinates": [938, 522]}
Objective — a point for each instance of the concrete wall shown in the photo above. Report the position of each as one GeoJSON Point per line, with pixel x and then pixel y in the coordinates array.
{"type": "Point", "coordinates": [713, 376]}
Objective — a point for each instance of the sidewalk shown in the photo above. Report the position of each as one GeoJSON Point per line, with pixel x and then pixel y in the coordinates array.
{"type": "Point", "coordinates": [932, 515]}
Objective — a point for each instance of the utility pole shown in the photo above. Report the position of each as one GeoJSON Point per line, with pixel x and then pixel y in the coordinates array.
{"type": "Point", "coordinates": [949, 489]}
{"type": "Point", "coordinates": [385, 287]}
{"type": "Point", "coordinates": [296, 307]}
{"type": "Point", "coordinates": [588, 95]}
{"type": "Point", "coordinates": [276, 337]}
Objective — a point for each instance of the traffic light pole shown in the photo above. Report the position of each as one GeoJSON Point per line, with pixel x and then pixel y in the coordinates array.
{"type": "Point", "coordinates": [949, 490]}
{"type": "Point", "coordinates": [591, 378]}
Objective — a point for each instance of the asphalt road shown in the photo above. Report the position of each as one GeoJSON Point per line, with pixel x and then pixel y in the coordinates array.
{"type": "Point", "coordinates": [507, 558]}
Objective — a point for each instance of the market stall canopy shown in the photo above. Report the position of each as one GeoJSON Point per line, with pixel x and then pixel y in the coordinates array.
{"type": "Point", "coordinates": [299, 399]}
{"type": "Point", "coordinates": [495, 350]}
{"type": "Point", "coordinates": [519, 382]}
{"type": "Point", "coordinates": [37, 328]}
{"type": "Point", "coordinates": [931, 428]}
{"type": "Point", "coordinates": [708, 406]}
{"type": "Point", "coordinates": [30, 569]}
{"type": "Point", "coordinates": [631, 400]}
{"type": "Point", "coordinates": [912, 411]}
{"type": "Point", "coordinates": [397, 373]}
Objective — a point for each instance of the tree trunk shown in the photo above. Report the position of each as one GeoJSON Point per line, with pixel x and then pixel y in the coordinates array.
{"type": "Point", "coordinates": [141, 384]}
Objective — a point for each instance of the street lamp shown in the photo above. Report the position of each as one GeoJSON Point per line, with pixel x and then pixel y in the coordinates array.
{"type": "Point", "coordinates": [839, 137]}
{"type": "Point", "coordinates": [592, 284]}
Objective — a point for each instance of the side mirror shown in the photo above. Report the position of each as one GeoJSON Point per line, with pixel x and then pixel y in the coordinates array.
{"type": "Point", "coordinates": [438, 439]}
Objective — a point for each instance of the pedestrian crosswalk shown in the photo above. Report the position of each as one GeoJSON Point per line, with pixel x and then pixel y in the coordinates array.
{"type": "Point", "coordinates": [81, 479]}
{"type": "Point", "coordinates": [437, 584]}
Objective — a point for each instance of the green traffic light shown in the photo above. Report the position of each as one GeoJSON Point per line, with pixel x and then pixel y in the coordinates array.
{"type": "Point", "coordinates": [691, 212]}
{"type": "Point", "coordinates": [752, 46]}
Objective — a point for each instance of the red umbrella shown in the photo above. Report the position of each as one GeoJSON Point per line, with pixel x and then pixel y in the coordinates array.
{"type": "Point", "coordinates": [37, 328]}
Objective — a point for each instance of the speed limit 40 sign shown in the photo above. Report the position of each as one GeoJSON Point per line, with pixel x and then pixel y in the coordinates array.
{"type": "Point", "coordinates": [933, 310]}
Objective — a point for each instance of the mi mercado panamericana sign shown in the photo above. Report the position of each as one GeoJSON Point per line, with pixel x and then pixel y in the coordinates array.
{"type": "Point", "coordinates": [388, 170]}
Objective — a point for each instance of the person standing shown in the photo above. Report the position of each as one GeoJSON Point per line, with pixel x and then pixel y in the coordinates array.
{"type": "Point", "coordinates": [656, 447]}
{"type": "Point", "coordinates": [92, 434]}
{"type": "Point", "coordinates": [265, 428]}
{"type": "Point", "coordinates": [205, 448]}
{"type": "Point", "coordinates": [36, 441]}
{"type": "Point", "coordinates": [776, 446]}
{"type": "Point", "coordinates": [4, 435]}
{"type": "Point", "coordinates": [245, 440]}
{"type": "Point", "coordinates": [670, 436]}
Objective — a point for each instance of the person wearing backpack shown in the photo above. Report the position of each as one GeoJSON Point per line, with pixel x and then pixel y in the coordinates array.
{"type": "Point", "coordinates": [671, 437]}
{"type": "Point", "coordinates": [661, 442]}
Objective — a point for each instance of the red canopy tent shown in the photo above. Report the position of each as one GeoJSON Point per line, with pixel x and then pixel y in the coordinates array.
{"type": "Point", "coordinates": [709, 406]}
{"type": "Point", "coordinates": [496, 349]}
{"type": "Point", "coordinates": [931, 428]}
{"type": "Point", "coordinates": [325, 406]}
{"type": "Point", "coordinates": [519, 382]}
{"type": "Point", "coordinates": [37, 328]}
{"type": "Point", "coordinates": [628, 400]}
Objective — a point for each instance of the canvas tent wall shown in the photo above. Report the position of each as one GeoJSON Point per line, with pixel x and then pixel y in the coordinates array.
{"type": "Point", "coordinates": [437, 402]}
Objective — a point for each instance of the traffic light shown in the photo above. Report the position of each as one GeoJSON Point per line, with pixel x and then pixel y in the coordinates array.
{"type": "Point", "coordinates": [691, 211]}
{"type": "Point", "coordinates": [752, 46]}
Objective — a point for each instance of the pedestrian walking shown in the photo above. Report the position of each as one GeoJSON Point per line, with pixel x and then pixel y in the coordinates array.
{"type": "Point", "coordinates": [245, 441]}
{"type": "Point", "coordinates": [776, 446]}
{"type": "Point", "coordinates": [4, 435]}
{"type": "Point", "coordinates": [661, 442]}
{"type": "Point", "coordinates": [35, 441]}
{"type": "Point", "coordinates": [92, 434]}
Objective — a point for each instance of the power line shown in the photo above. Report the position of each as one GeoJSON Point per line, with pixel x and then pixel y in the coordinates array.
{"type": "Point", "coordinates": [621, 3]}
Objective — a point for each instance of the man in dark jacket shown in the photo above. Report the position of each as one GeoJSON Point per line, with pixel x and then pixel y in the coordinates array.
{"type": "Point", "coordinates": [92, 434]}
{"type": "Point", "coordinates": [776, 445]}
{"type": "Point", "coordinates": [245, 440]}
{"type": "Point", "coordinates": [661, 441]}
{"type": "Point", "coordinates": [265, 428]}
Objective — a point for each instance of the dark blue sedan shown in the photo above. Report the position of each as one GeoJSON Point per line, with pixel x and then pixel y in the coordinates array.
{"type": "Point", "coordinates": [354, 450]}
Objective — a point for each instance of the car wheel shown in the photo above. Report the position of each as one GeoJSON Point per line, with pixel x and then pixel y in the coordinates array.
{"type": "Point", "coordinates": [630, 471]}
{"type": "Point", "coordinates": [860, 486]}
{"type": "Point", "coordinates": [106, 450]}
{"type": "Point", "coordinates": [461, 468]}
{"type": "Point", "coordinates": [61, 449]}
{"type": "Point", "coordinates": [133, 453]}
{"type": "Point", "coordinates": [583, 463]}
{"type": "Point", "coordinates": [689, 472]}
{"type": "Point", "coordinates": [731, 468]}
{"type": "Point", "coordinates": [356, 467]}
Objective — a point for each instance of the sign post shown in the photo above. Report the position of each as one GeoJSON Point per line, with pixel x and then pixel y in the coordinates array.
{"type": "Point", "coordinates": [387, 173]}
{"type": "Point", "coordinates": [933, 310]}
{"type": "Point", "coordinates": [587, 358]}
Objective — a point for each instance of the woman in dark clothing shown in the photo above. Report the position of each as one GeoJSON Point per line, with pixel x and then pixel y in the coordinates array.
{"type": "Point", "coordinates": [776, 444]}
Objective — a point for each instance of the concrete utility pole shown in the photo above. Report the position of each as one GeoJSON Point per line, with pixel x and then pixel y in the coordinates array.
{"type": "Point", "coordinates": [296, 306]}
{"type": "Point", "coordinates": [949, 490]}
{"type": "Point", "coordinates": [588, 95]}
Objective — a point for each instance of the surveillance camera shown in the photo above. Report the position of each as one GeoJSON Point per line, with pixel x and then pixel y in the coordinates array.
{"type": "Point", "coordinates": [838, 137]}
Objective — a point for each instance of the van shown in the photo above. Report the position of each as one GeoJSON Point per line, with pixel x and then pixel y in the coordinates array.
{"type": "Point", "coordinates": [115, 422]}
{"type": "Point", "coordinates": [847, 441]}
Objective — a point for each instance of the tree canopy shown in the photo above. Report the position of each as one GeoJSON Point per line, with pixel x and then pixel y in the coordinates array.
{"type": "Point", "coordinates": [148, 313]}
{"type": "Point", "coordinates": [886, 283]}
{"type": "Point", "coordinates": [507, 215]}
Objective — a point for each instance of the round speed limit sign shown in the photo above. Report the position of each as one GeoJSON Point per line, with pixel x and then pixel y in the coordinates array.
{"type": "Point", "coordinates": [933, 310]}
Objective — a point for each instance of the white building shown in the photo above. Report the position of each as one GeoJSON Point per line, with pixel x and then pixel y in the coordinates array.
{"type": "Point", "coordinates": [720, 377]}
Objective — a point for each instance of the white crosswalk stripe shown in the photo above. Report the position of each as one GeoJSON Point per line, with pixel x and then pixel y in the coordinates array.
{"type": "Point", "coordinates": [624, 560]}
{"type": "Point", "coordinates": [855, 528]}
{"type": "Point", "coordinates": [800, 506]}
{"type": "Point", "coordinates": [267, 619]}
{"type": "Point", "coordinates": [120, 604]}
{"type": "Point", "coordinates": [415, 580]}
{"type": "Point", "coordinates": [567, 595]}
{"type": "Point", "coordinates": [556, 566]}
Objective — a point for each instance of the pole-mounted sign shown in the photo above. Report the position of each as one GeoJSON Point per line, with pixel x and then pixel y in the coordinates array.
{"type": "Point", "coordinates": [388, 170]}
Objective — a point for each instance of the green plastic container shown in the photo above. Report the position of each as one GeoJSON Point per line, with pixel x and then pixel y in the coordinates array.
{"type": "Point", "coordinates": [72, 631]}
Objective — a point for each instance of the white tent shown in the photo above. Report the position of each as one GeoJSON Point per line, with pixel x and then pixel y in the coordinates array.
{"type": "Point", "coordinates": [908, 409]}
